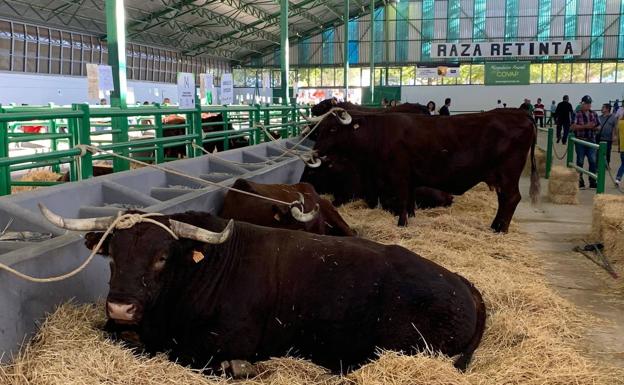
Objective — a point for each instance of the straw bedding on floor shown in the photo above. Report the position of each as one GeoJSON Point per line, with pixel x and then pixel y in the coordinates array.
{"type": "Point", "coordinates": [533, 336]}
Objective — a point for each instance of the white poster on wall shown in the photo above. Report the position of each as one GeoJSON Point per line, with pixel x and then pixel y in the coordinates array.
{"type": "Point", "coordinates": [105, 77]}
{"type": "Point", "coordinates": [93, 90]}
{"type": "Point", "coordinates": [206, 88]}
{"type": "Point", "coordinates": [227, 89]}
{"type": "Point", "coordinates": [186, 90]}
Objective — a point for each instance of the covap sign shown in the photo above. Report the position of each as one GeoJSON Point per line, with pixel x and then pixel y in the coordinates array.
{"type": "Point", "coordinates": [506, 49]}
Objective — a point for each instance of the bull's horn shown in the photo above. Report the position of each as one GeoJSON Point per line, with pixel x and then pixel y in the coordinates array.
{"type": "Point", "coordinates": [86, 224]}
{"type": "Point", "coordinates": [304, 217]}
{"type": "Point", "coordinates": [184, 230]}
{"type": "Point", "coordinates": [345, 121]}
{"type": "Point", "coordinates": [301, 198]}
{"type": "Point", "coordinates": [303, 116]}
{"type": "Point", "coordinates": [317, 163]}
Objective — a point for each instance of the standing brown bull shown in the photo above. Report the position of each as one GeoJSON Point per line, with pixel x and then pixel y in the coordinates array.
{"type": "Point", "coordinates": [261, 212]}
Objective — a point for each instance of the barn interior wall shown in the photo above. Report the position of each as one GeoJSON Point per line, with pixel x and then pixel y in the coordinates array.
{"type": "Point", "coordinates": [42, 89]}
{"type": "Point", "coordinates": [479, 97]}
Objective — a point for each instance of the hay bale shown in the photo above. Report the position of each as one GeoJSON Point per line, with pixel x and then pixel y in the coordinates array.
{"type": "Point", "coordinates": [608, 224]}
{"type": "Point", "coordinates": [540, 162]}
{"type": "Point", "coordinates": [36, 176]}
{"type": "Point", "coordinates": [563, 186]}
{"type": "Point", "coordinates": [532, 334]}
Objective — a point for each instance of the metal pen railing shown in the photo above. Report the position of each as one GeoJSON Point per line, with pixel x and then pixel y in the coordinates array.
{"type": "Point", "coordinates": [600, 175]}
{"type": "Point", "coordinates": [81, 121]}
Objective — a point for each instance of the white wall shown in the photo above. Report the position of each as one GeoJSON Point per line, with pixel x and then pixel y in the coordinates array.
{"type": "Point", "coordinates": [470, 98]}
{"type": "Point", "coordinates": [42, 89]}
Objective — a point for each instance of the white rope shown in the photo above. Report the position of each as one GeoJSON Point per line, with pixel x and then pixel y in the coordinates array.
{"type": "Point", "coordinates": [124, 221]}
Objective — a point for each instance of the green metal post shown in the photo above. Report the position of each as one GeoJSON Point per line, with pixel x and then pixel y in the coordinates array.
{"type": "Point", "coordinates": [5, 171]}
{"type": "Point", "coordinates": [84, 137]}
{"type": "Point", "coordinates": [570, 158]}
{"type": "Point", "coordinates": [372, 52]}
{"type": "Point", "coordinates": [602, 165]}
{"type": "Point", "coordinates": [116, 36]}
{"type": "Point", "coordinates": [284, 50]}
{"type": "Point", "coordinates": [197, 128]}
{"type": "Point", "coordinates": [256, 132]}
{"type": "Point", "coordinates": [72, 126]}
{"type": "Point", "coordinates": [549, 152]}
{"type": "Point", "coordinates": [160, 152]}
{"type": "Point", "coordinates": [54, 143]}
{"type": "Point", "coordinates": [226, 124]}
{"type": "Point", "coordinates": [267, 122]}
{"type": "Point", "coordinates": [346, 49]}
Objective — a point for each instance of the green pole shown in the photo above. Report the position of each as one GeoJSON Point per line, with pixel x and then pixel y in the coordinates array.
{"type": "Point", "coordinates": [284, 48]}
{"type": "Point", "coordinates": [602, 165]}
{"type": "Point", "coordinates": [5, 171]}
{"type": "Point", "coordinates": [570, 159]}
{"type": "Point", "coordinates": [549, 152]}
{"type": "Point", "coordinates": [160, 152]}
{"type": "Point", "coordinates": [346, 48]}
{"type": "Point", "coordinates": [372, 52]}
{"type": "Point", "coordinates": [84, 137]}
{"type": "Point", "coordinates": [198, 130]}
{"type": "Point", "coordinates": [116, 37]}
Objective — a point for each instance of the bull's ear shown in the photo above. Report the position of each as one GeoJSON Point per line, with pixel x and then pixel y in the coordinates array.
{"type": "Point", "coordinates": [92, 239]}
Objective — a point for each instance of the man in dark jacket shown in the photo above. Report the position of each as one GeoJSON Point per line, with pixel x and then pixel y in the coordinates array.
{"type": "Point", "coordinates": [608, 124]}
{"type": "Point", "coordinates": [444, 111]}
{"type": "Point", "coordinates": [562, 117]}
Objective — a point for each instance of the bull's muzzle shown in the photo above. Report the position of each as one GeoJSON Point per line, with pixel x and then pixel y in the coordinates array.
{"type": "Point", "coordinates": [122, 312]}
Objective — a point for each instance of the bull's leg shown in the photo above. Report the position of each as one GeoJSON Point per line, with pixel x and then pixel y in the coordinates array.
{"type": "Point", "coordinates": [508, 200]}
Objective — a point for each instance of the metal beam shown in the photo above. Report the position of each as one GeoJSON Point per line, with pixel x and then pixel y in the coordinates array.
{"type": "Point", "coordinates": [372, 51]}
{"type": "Point", "coordinates": [284, 52]}
{"type": "Point", "coordinates": [346, 49]}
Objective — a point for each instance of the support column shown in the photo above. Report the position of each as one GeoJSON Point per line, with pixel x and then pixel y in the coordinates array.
{"type": "Point", "coordinates": [372, 52]}
{"type": "Point", "coordinates": [346, 48]}
{"type": "Point", "coordinates": [284, 50]}
{"type": "Point", "coordinates": [116, 39]}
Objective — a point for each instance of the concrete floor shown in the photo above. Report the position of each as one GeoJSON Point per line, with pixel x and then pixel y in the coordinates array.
{"type": "Point", "coordinates": [556, 230]}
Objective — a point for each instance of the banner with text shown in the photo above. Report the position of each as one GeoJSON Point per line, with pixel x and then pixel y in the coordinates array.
{"type": "Point", "coordinates": [505, 74]}
{"type": "Point", "coordinates": [506, 49]}
{"type": "Point", "coordinates": [186, 90]}
{"type": "Point", "coordinates": [437, 70]}
{"type": "Point", "coordinates": [227, 89]}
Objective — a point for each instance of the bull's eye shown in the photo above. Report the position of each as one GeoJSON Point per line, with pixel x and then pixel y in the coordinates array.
{"type": "Point", "coordinates": [160, 262]}
{"type": "Point", "coordinates": [143, 282]}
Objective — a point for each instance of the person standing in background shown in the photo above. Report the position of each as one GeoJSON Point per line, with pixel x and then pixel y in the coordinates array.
{"type": "Point", "coordinates": [551, 118]}
{"type": "Point", "coordinates": [585, 126]}
{"type": "Point", "coordinates": [431, 107]}
{"type": "Point", "coordinates": [444, 111]}
{"type": "Point", "coordinates": [618, 139]}
{"type": "Point", "coordinates": [563, 113]}
{"type": "Point", "coordinates": [538, 112]}
{"type": "Point", "coordinates": [499, 104]}
{"type": "Point", "coordinates": [608, 124]}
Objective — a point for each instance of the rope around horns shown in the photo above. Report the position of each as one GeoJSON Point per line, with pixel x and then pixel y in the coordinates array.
{"type": "Point", "coordinates": [123, 221]}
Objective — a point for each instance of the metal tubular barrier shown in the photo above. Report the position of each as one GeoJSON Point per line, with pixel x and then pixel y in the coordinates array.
{"type": "Point", "coordinates": [549, 149]}
{"type": "Point", "coordinates": [601, 161]}
{"type": "Point", "coordinates": [109, 128]}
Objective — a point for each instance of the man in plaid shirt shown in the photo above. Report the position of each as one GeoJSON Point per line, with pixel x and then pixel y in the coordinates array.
{"type": "Point", "coordinates": [585, 125]}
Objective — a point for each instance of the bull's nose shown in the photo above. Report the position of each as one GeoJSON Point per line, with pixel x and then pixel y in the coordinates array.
{"type": "Point", "coordinates": [121, 311]}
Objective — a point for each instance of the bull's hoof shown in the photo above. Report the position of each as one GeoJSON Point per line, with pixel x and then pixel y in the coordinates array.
{"type": "Point", "coordinates": [499, 227]}
{"type": "Point", "coordinates": [238, 369]}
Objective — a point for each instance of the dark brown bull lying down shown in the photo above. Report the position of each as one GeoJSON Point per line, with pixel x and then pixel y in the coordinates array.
{"type": "Point", "coordinates": [247, 292]}
{"type": "Point", "coordinates": [265, 213]}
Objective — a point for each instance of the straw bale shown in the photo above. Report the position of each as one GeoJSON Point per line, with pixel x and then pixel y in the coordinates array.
{"type": "Point", "coordinates": [532, 336]}
{"type": "Point", "coordinates": [600, 202]}
{"type": "Point", "coordinates": [36, 176]}
{"type": "Point", "coordinates": [563, 186]}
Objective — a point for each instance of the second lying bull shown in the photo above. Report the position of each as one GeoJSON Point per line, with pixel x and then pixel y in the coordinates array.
{"type": "Point", "coordinates": [261, 212]}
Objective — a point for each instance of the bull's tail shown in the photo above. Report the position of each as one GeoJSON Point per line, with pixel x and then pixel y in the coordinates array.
{"type": "Point", "coordinates": [465, 356]}
{"type": "Point", "coordinates": [534, 190]}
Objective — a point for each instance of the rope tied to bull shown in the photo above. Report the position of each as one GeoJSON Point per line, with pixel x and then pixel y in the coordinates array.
{"type": "Point", "coordinates": [122, 221]}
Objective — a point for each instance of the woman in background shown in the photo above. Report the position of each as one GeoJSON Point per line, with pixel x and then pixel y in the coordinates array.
{"type": "Point", "coordinates": [431, 107]}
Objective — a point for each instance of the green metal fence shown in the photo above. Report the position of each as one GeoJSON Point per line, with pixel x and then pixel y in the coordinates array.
{"type": "Point", "coordinates": [601, 165]}
{"type": "Point", "coordinates": [109, 129]}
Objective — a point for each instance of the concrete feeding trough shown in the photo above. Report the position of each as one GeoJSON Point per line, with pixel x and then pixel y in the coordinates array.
{"type": "Point", "coordinates": [24, 303]}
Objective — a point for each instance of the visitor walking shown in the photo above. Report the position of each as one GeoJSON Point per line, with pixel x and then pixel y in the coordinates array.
{"type": "Point", "coordinates": [563, 114]}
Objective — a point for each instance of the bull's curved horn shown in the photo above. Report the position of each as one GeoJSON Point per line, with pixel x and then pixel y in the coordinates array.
{"type": "Point", "coordinates": [346, 120]}
{"type": "Point", "coordinates": [184, 230]}
{"type": "Point", "coordinates": [301, 198]}
{"type": "Point", "coordinates": [316, 119]}
{"type": "Point", "coordinates": [304, 217]}
{"type": "Point", "coordinates": [86, 224]}
{"type": "Point", "coordinates": [303, 116]}
{"type": "Point", "coordinates": [317, 163]}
